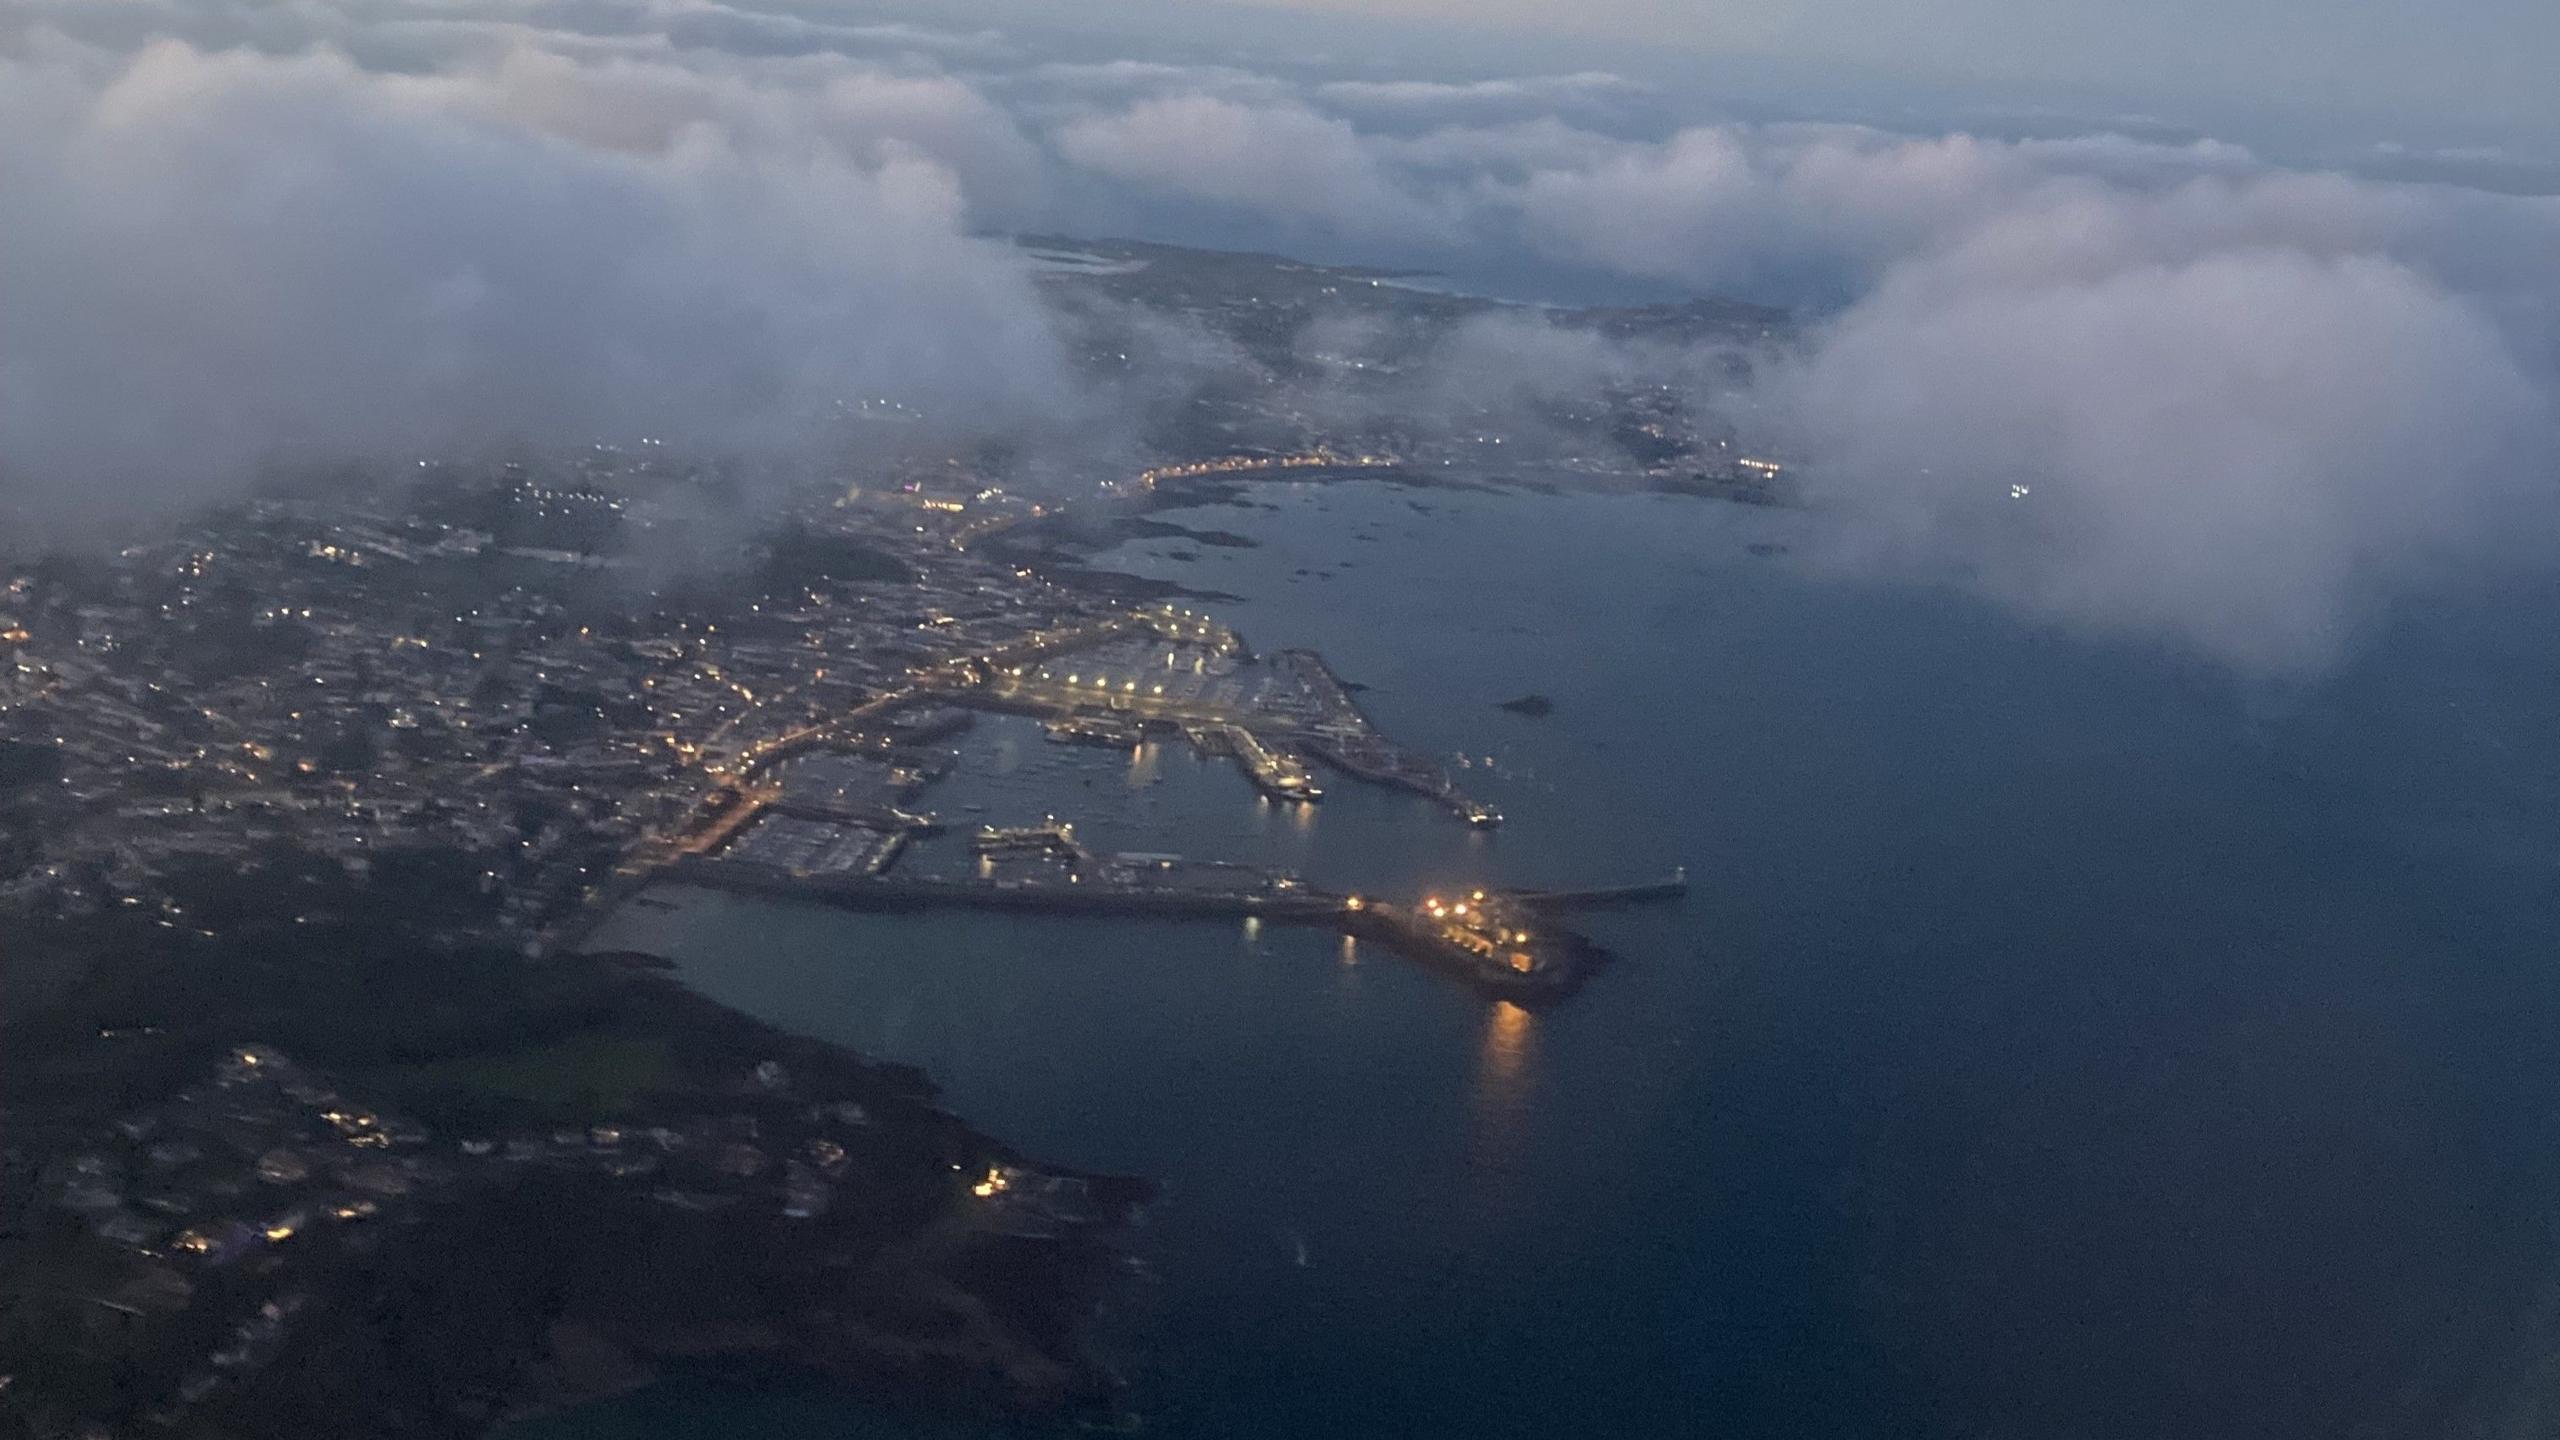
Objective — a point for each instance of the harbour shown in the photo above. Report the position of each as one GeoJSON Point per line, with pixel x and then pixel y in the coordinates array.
{"type": "Point", "coordinates": [823, 813]}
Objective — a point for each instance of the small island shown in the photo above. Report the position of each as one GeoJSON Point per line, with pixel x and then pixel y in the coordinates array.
{"type": "Point", "coordinates": [1533, 705]}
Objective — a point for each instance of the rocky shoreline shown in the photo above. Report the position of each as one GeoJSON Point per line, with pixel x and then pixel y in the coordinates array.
{"type": "Point", "coordinates": [532, 1186]}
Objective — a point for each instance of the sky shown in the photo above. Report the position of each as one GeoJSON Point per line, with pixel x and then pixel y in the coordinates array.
{"type": "Point", "coordinates": [2484, 62]}
{"type": "Point", "coordinates": [2262, 381]}
{"type": "Point", "coordinates": [2459, 85]}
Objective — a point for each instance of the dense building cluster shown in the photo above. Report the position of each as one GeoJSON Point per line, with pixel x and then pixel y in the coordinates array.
{"type": "Point", "coordinates": [514, 678]}
{"type": "Point", "coordinates": [386, 682]}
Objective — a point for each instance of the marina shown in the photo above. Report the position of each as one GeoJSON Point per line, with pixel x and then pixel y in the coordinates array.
{"type": "Point", "coordinates": [825, 814]}
{"type": "Point", "coordinates": [1166, 669]}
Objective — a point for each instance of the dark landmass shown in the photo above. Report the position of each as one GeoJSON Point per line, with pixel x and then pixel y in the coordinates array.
{"type": "Point", "coordinates": [1209, 262]}
{"type": "Point", "coordinates": [1536, 707]}
{"type": "Point", "coordinates": [801, 556]}
{"type": "Point", "coordinates": [1145, 528]}
{"type": "Point", "coordinates": [1741, 488]}
{"type": "Point", "coordinates": [1059, 547]}
{"type": "Point", "coordinates": [1683, 320]}
{"type": "Point", "coordinates": [339, 1178]}
{"type": "Point", "coordinates": [1060, 568]}
{"type": "Point", "coordinates": [632, 959]}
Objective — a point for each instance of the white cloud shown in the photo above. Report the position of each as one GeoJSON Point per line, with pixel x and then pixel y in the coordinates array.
{"type": "Point", "coordinates": [1582, 97]}
{"type": "Point", "coordinates": [2242, 450]}
{"type": "Point", "coordinates": [1283, 161]}
{"type": "Point", "coordinates": [2250, 402]}
{"type": "Point", "coordinates": [211, 260]}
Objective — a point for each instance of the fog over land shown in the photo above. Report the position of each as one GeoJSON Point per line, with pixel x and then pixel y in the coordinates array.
{"type": "Point", "coordinates": [2248, 404]}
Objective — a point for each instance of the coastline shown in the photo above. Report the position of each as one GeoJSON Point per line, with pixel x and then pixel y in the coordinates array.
{"type": "Point", "coordinates": [906, 1332]}
{"type": "Point", "coordinates": [540, 1124]}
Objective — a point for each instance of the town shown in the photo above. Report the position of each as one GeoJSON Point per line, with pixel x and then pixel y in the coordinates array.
{"type": "Point", "coordinates": [328, 789]}
{"type": "Point", "coordinates": [298, 709]}
{"type": "Point", "coordinates": [437, 689]}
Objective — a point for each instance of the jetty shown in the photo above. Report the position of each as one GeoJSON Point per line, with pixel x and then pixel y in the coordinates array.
{"type": "Point", "coordinates": [1601, 897]}
{"type": "Point", "coordinates": [1481, 938]}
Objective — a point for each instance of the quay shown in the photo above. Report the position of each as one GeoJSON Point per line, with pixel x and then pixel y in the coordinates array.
{"type": "Point", "coordinates": [1669, 887]}
{"type": "Point", "coordinates": [1351, 742]}
{"type": "Point", "coordinates": [1475, 943]}
{"type": "Point", "coordinates": [1275, 770]}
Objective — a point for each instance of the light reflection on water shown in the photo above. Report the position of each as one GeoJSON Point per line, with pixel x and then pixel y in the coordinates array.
{"type": "Point", "coordinates": [1506, 1076]}
{"type": "Point", "coordinates": [1506, 1046]}
{"type": "Point", "coordinates": [1145, 759]}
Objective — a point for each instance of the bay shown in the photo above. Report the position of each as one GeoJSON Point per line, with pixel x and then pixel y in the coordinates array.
{"type": "Point", "coordinates": [2062, 1036]}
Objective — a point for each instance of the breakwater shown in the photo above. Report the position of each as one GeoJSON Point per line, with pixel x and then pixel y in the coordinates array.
{"type": "Point", "coordinates": [1559, 963]}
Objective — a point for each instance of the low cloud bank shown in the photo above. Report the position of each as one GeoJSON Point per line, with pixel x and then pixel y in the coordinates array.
{"type": "Point", "coordinates": [2245, 450]}
{"type": "Point", "coordinates": [212, 262]}
{"type": "Point", "coordinates": [2160, 390]}
{"type": "Point", "coordinates": [2246, 404]}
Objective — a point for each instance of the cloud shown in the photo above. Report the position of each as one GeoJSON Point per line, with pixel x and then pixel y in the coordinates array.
{"type": "Point", "coordinates": [2250, 404]}
{"type": "Point", "coordinates": [213, 261]}
{"type": "Point", "coordinates": [1583, 97]}
{"type": "Point", "coordinates": [1480, 156]}
{"type": "Point", "coordinates": [744, 31]}
{"type": "Point", "coordinates": [1801, 214]}
{"type": "Point", "coordinates": [856, 114]}
{"type": "Point", "coordinates": [1061, 90]}
{"type": "Point", "coordinates": [2243, 451]}
{"type": "Point", "coordinates": [1284, 161]}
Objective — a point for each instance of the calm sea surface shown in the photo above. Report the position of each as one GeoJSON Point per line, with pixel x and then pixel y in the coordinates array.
{"type": "Point", "coordinates": [2061, 1038]}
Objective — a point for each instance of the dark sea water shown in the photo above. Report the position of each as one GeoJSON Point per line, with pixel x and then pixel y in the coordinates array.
{"type": "Point", "coordinates": [2062, 1038]}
